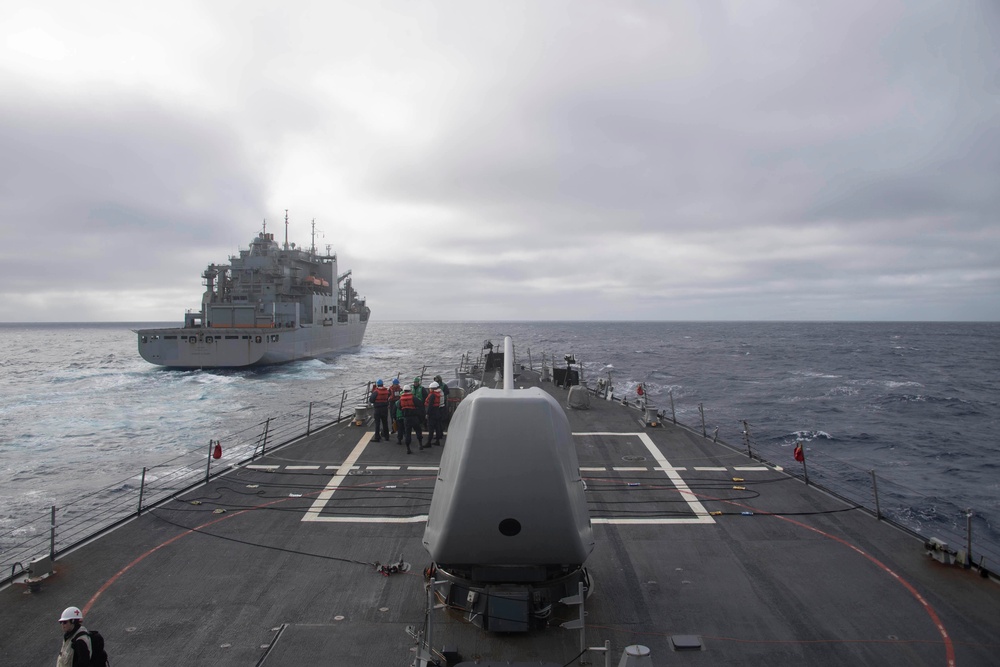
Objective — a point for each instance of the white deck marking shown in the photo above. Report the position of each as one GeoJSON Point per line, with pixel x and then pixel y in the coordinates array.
{"type": "Point", "coordinates": [261, 467]}
{"type": "Point", "coordinates": [701, 515]}
{"type": "Point", "coordinates": [313, 513]}
{"type": "Point", "coordinates": [708, 469]}
{"type": "Point", "coordinates": [752, 468]}
{"type": "Point", "coordinates": [301, 467]}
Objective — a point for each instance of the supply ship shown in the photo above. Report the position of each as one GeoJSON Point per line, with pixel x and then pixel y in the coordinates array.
{"type": "Point", "coordinates": [562, 523]}
{"type": "Point", "coordinates": [271, 304]}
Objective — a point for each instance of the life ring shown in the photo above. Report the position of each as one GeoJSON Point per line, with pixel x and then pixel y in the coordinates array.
{"type": "Point", "coordinates": [257, 339]}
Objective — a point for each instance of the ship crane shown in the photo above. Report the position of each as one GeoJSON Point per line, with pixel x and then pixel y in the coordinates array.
{"type": "Point", "coordinates": [342, 276]}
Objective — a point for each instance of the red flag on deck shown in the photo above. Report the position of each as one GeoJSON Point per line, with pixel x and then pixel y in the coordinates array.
{"type": "Point", "coordinates": [798, 453]}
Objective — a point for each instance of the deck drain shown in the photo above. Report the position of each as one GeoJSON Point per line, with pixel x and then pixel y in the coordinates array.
{"type": "Point", "coordinates": [686, 642]}
{"type": "Point", "coordinates": [633, 458]}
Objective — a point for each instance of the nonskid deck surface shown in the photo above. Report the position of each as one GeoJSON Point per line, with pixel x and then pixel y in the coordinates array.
{"type": "Point", "coordinates": [277, 561]}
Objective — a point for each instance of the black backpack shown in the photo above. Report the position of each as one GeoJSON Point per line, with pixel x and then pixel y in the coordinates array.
{"type": "Point", "coordinates": [98, 656]}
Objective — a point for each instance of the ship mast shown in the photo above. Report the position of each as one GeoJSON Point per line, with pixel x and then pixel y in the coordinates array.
{"type": "Point", "coordinates": [312, 249]}
{"type": "Point", "coordinates": [286, 229]}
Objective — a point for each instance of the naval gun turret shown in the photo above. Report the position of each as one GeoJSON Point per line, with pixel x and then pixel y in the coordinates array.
{"type": "Point", "coordinates": [508, 528]}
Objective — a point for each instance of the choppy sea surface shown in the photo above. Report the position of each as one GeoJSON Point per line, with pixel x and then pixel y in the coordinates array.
{"type": "Point", "coordinates": [918, 403]}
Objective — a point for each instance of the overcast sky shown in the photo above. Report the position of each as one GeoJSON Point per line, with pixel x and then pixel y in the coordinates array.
{"type": "Point", "coordinates": [508, 160]}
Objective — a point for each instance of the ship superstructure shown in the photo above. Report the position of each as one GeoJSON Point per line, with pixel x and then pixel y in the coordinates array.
{"type": "Point", "coordinates": [270, 304]}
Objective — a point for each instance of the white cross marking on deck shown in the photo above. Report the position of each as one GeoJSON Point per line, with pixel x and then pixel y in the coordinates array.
{"type": "Point", "coordinates": [313, 514]}
{"type": "Point", "coordinates": [701, 514]}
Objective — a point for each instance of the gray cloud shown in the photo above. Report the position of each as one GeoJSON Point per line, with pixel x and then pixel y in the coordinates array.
{"type": "Point", "coordinates": [532, 160]}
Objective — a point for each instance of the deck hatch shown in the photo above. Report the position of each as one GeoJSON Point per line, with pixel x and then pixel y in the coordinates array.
{"type": "Point", "coordinates": [686, 642]}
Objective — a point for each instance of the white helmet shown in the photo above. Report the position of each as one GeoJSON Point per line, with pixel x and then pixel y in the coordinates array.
{"type": "Point", "coordinates": [434, 385]}
{"type": "Point", "coordinates": [407, 388]}
{"type": "Point", "coordinates": [71, 614]}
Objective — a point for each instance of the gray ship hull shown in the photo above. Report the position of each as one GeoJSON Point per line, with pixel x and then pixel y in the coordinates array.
{"type": "Point", "coordinates": [225, 347]}
{"type": "Point", "coordinates": [270, 304]}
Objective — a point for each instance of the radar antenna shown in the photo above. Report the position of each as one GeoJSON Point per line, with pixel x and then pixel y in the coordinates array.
{"type": "Point", "coordinates": [286, 229]}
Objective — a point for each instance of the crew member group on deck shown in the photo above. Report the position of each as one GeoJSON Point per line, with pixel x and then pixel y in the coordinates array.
{"type": "Point", "coordinates": [411, 408]}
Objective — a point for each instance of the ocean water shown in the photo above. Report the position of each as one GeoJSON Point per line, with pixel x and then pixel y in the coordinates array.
{"type": "Point", "coordinates": [917, 403]}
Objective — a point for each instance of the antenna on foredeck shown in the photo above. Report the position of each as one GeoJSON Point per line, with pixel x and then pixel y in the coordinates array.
{"type": "Point", "coordinates": [312, 248]}
{"type": "Point", "coordinates": [286, 229]}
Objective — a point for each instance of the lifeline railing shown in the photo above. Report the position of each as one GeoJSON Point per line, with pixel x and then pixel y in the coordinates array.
{"type": "Point", "coordinates": [43, 538]}
{"type": "Point", "coordinates": [63, 528]}
{"type": "Point", "coordinates": [938, 520]}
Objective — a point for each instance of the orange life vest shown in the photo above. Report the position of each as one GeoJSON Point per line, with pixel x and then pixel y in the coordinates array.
{"type": "Point", "coordinates": [406, 401]}
{"type": "Point", "coordinates": [435, 399]}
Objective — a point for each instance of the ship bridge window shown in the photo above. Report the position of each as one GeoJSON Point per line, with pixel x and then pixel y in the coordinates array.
{"type": "Point", "coordinates": [232, 337]}
{"type": "Point", "coordinates": [273, 338]}
{"type": "Point", "coordinates": [170, 338]}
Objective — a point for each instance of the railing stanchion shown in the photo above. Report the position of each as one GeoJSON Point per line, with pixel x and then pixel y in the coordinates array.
{"type": "Point", "coordinates": [878, 509]}
{"type": "Point", "coordinates": [968, 539]}
{"type": "Point", "coordinates": [142, 488]}
{"type": "Point", "coordinates": [309, 420]}
{"type": "Point", "coordinates": [52, 534]}
{"type": "Point", "coordinates": [746, 437]}
{"type": "Point", "coordinates": [208, 466]}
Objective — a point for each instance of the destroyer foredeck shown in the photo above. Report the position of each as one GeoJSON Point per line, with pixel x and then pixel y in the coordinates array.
{"type": "Point", "coordinates": [313, 555]}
